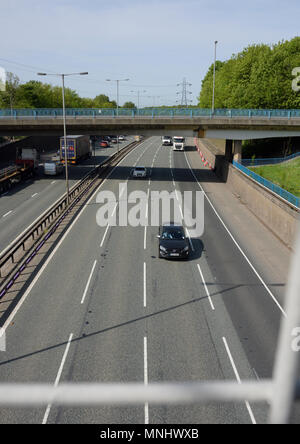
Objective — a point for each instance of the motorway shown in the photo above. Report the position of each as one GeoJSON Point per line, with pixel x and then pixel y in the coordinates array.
{"type": "Point", "coordinates": [24, 203]}
{"type": "Point", "coordinates": [106, 309]}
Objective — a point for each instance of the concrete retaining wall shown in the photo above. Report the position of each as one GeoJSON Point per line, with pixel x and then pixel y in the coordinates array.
{"type": "Point", "coordinates": [272, 211]}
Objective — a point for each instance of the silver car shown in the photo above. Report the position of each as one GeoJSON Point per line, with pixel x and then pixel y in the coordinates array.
{"type": "Point", "coordinates": [139, 172]}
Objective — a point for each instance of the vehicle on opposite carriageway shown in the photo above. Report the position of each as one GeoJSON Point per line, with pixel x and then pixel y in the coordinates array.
{"type": "Point", "coordinates": [138, 138]}
{"type": "Point", "coordinates": [104, 144]}
{"type": "Point", "coordinates": [25, 167]}
{"type": "Point", "coordinates": [78, 149]}
{"type": "Point", "coordinates": [53, 168]}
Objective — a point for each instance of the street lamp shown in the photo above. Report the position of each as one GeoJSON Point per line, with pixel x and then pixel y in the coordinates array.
{"type": "Point", "coordinates": [214, 80]}
{"type": "Point", "coordinates": [138, 95]}
{"type": "Point", "coordinates": [117, 81]}
{"type": "Point", "coordinates": [64, 118]}
{"type": "Point", "coordinates": [153, 97]}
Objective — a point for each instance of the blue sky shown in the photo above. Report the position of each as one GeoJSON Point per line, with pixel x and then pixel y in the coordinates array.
{"type": "Point", "coordinates": [154, 43]}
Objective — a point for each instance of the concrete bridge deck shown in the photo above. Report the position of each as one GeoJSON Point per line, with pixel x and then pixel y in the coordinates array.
{"type": "Point", "coordinates": [234, 128]}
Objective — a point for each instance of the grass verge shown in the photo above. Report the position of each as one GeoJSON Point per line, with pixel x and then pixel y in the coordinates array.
{"type": "Point", "coordinates": [286, 175]}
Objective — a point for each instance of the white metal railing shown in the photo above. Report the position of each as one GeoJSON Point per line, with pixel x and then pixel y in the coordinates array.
{"type": "Point", "coordinates": [90, 394]}
{"type": "Point", "coordinates": [279, 392]}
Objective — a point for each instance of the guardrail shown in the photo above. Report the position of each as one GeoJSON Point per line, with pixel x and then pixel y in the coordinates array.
{"type": "Point", "coordinates": [149, 112]}
{"type": "Point", "coordinates": [20, 253]}
{"type": "Point", "coordinates": [284, 194]}
{"type": "Point", "coordinates": [270, 161]}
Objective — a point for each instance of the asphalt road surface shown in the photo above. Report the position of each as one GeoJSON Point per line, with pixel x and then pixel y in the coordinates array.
{"type": "Point", "coordinates": [106, 309]}
{"type": "Point", "coordinates": [24, 203]}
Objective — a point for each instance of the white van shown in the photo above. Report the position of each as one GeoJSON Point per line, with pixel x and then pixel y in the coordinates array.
{"type": "Point", "coordinates": [167, 141]}
{"type": "Point", "coordinates": [53, 168]}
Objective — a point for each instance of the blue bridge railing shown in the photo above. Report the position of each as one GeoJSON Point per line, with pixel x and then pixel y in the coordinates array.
{"type": "Point", "coordinates": [270, 161]}
{"type": "Point", "coordinates": [294, 200]}
{"type": "Point", "coordinates": [150, 112]}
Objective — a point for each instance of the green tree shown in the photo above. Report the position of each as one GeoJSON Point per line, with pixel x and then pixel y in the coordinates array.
{"type": "Point", "coordinates": [9, 95]}
{"type": "Point", "coordinates": [100, 101]}
{"type": "Point", "coordinates": [258, 77]}
{"type": "Point", "coordinates": [129, 105]}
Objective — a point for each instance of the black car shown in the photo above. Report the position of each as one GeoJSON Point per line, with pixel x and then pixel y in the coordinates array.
{"type": "Point", "coordinates": [173, 242]}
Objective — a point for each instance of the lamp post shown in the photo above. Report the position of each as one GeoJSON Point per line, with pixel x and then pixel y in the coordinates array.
{"type": "Point", "coordinates": [214, 80]}
{"type": "Point", "coordinates": [64, 119]}
{"type": "Point", "coordinates": [153, 98]}
{"type": "Point", "coordinates": [138, 96]}
{"type": "Point", "coordinates": [117, 82]}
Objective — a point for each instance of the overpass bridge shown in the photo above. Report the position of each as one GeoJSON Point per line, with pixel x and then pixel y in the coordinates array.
{"type": "Point", "coordinates": [234, 125]}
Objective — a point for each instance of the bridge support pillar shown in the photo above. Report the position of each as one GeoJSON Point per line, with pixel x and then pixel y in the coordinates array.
{"type": "Point", "coordinates": [228, 151]}
{"type": "Point", "coordinates": [233, 150]}
{"type": "Point", "coordinates": [237, 150]}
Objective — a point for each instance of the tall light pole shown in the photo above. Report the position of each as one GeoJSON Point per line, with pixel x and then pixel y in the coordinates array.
{"type": "Point", "coordinates": [64, 119]}
{"type": "Point", "coordinates": [117, 82]}
{"type": "Point", "coordinates": [138, 96]}
{"type": "Point", "coordinates": [153, 98]}
{"type": "Point", "coordinates": [214, 80]}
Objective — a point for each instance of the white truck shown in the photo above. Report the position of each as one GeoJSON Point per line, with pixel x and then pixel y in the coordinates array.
{"type": "Point", "coordinates": [25, 167]}
{"type": "Point", "coordinates": [178, 143]}
{"type": "Point", "coordinates": [28, 156]}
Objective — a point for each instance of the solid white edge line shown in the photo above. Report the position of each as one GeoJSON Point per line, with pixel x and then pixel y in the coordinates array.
{"type": "Point", "coordinates": [236, 244]}
{"type": "Point", "coordinates": [46, 415]}
{"type": "Point", "coordinates": [238, 379]}
{"type": "Point", "coordinates": [35, 194]}
{"type": "Point", "coordinates": [205, 286]}
{"type": "Point", "coordinates": [27, 292]}
{"type": "Point", "coordinates": [88, 283]}
{"type": "Point", "coordinates": [146, 377]}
